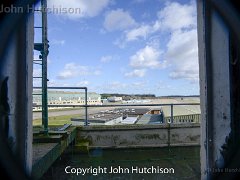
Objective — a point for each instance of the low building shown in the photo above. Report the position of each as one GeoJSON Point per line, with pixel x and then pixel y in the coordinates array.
{"type": "Point", "coordinates": [183, 114]}
{"type": "Point", "coordinates": [154, 116]}
{"type": "Point", "coordinates": [114, 99]}
{"type": "Point", "coordinates": [112, 117]}
{"type": "Point", "coordinates": [151, 119]}
{"type": "Point", "coordinates": [190, 118]}
{"type": "Point", "coordinates": [98, 119]}
{"type": "Point", "coordinates": [67, 98]}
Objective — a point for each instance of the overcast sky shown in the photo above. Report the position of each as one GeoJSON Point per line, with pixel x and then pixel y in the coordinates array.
{"type": "Point", "coordinates": [123, 46]}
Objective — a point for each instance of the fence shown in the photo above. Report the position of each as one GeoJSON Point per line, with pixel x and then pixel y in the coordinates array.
{"type": "Point", "coordinates": [185, 118]}
{"type": "Point", "coordinates": [170, 119]}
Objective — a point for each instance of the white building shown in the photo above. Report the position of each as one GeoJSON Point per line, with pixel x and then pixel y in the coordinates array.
{"type": "Point", "coordinates": [67, 98]}
{"type": "Point", "coordinates": [114, 99]}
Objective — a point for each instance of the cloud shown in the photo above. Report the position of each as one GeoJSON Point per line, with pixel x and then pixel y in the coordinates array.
{"type": "Point", "coordinates": [147, 57]}
{"type": "Point", "coordinates": [175, 16]}
{"type": "Point", "coordinates": [72, 70]}
{"type": "Point", "coordinates": [120, 42]}
{"type": "Point", "coordinates": [182, 48]}
{"type": "Point", "coordinates": [109, 58]}
{"type": "Point", "coordinates": [143, 59]}
{"type": "Point", "coordinates": [118, 20]}
{"type": "Point", "coordinates": [136, 33]}
{"type": "Point", "coordinates": [190, 75]}
{"type": "Point", "coordinates": [143, 31]}
{"type": "Point", "coordinates": [75, 9]}
{"type": "Point", "coordinates": [106, 59]}
{"type": "Point", "coordinates": [136, 73]}
{"type": "Point", "coordinates": [182, 53]}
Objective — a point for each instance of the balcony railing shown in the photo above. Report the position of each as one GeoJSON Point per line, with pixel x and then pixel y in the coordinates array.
{"type": "Point", "coordinates": [169, 119]}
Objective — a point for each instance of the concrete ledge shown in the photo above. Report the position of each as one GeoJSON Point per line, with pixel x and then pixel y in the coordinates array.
{"type": "Point", "coordinates": [134, 127]}
{"type": "Point", "coordinates": [135, 136]}
{"type": "Point", "coordinates": [44, 154]}
{"type": "Point", "coordinates": [145, 146]}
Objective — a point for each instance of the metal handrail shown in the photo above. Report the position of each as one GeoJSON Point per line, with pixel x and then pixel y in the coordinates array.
{"type": "Point", "coordinates": [118, 105]}
{"type": "Point", "coordinates": [85, 88]}
{"type": "Point", "coordinates": [121, 105]}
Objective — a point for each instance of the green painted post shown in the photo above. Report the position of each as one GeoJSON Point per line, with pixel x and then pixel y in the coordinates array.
{"type": "Point", "coordinates": [44, 67]}
{"type": "Point", "coordinates": [86, 116]}
{"type": "Point", "coordinates": [171, 113]}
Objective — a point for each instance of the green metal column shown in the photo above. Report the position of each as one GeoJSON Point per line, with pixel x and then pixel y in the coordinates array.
{"type": "Point", "coordinates": [44, 53]}
{"type": "Point", "coordinates": [171, 113]}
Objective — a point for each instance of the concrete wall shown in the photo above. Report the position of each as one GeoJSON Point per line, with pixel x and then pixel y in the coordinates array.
{"type": "Point", "coordinates": [15, 93]}
{"type": "Point", "coordinates": [213, 44]}
{"type": "Point", "coordinates": [140, 136]}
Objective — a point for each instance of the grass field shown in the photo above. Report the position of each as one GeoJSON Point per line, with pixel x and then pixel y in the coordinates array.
{"type": "Point", "coordinates": [57, 120]}
{"type": "Point", "coordinates": [59, 109]}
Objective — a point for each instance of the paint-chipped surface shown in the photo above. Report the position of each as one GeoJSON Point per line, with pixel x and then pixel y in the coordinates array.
{"type": "Point", "coordinates": [159, 136]}
{"type": "Point", "coordinates": [44, 154]}
{"type": "Point", "coordinates": [41, 149]}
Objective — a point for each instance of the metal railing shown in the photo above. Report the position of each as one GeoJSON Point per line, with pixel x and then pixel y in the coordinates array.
{"type": "Point", "coordinates": [86, 106]}
{"type": "Point", "coordinates": [185, 118]}
{"type": "Point", "coordinates": [45, 121]}
{"type": "Point", "coordinates": [9, 25]}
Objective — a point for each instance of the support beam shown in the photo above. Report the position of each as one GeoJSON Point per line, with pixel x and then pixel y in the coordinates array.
{"type": "Point", "coordinates": [44, 66]}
